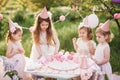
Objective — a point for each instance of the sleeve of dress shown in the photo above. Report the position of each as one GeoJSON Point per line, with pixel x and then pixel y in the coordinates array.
{"type": "Point", "coordinates": [56, 40]}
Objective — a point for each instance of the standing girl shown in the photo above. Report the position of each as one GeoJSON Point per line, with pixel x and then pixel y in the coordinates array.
{"type": "Point", "coordinates": [15, 51]}
{"type": "Point", "coordinates": [102, 53]}
{"type": "Point", "coordinates": [85, 46]}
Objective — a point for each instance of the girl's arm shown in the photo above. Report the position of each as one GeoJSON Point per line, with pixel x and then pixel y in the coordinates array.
{"type": "Point", "coordinates": [9, 53]}
{"type": "Point", "coordinates": [106, 56]}
{"type": "Point", "coordinates": [21, 50]}
{"type": "Point", "coordinates": [57, 42]}
{"type": "Point", "coordinates": [74, 40]}
{"type": "Point", "coordinates": [91, 48]}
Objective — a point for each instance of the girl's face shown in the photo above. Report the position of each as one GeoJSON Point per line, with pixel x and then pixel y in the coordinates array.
{"type": "Point", "coordinates": [83, 34]}
{"type": "Point", "coordinates": [100, 38]}
{"type": "Point", "coordinates": [17, 36]}
{"type": "Point", "coordinates": [44, 25]}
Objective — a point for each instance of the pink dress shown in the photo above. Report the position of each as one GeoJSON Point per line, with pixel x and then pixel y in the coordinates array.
{"type": "Point", "coordinates": [99, 55]}
{"type": "Point", "coordinates": [84, 55]}
{"type": "Point", "coordinates": [20, 58]}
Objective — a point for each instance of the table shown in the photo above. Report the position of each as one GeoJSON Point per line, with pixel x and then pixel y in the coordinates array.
{"type": "Point", "coordinates": [44, 69]}
{"type": "Point", "coordinates": [52, 75]}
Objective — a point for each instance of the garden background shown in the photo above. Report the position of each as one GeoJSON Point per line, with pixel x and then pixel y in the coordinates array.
{"type": "Point", "coordinates": [24, 12]}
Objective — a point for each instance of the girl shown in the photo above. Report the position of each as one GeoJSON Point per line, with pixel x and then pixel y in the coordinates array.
{"type": "Point", "coordinates": [85, 47]}
{"type": "Point", "coordinates": [15, 51]}
{"type": "Point", "coordinates": [44, 37]}
{"type": "Point", "coordinates": [102, 53]}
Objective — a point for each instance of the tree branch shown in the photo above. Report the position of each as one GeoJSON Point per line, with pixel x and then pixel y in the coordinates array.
{"type": "Point", "coordinates": [110, 11]}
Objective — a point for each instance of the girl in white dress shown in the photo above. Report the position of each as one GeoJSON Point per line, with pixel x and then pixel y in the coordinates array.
{"type": "Point", "coordinates": [15, 51]}
{"type": "Point", "coordinates": [102, 53]}
{"type": "Point", "coordinates": [45, 40]}
{"type": "Point", "coordinates": [85, 47]}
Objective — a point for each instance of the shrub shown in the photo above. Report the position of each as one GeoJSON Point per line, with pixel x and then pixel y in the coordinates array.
{"type": "Point", "coordinates": [57, 12]}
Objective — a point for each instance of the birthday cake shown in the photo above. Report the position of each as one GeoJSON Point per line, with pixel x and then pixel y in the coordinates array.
{"type": "Point", "coordinates": [63, 61]}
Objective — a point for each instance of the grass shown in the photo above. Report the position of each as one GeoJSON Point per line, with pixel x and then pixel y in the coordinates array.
{"type": "Point", "coordinates": [66, 30]}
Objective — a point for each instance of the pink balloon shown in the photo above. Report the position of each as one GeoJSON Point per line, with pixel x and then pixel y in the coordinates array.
{"type": "Point", "coordinates": [62, 18]}
{"type": "Point", "coordinates": [116, 15]}
{"type": "Point", "coordinates": [1, 16]}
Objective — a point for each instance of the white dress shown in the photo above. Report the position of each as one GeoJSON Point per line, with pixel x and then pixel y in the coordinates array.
{"type": "Point", "coordinates": [45, 49]}
{"type": "Point", "coordinates": [99, 55]}
{"type": "Point", "coordinates": [18, 60]}
{"type": "Point", "coordinates": [84, 55]}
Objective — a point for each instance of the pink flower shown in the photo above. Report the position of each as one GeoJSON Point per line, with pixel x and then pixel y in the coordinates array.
{"type": "Point", "coordinates": [31, 29]}
{"type": "Point", "coordinates": [116, 15]}
{"type": "Point", "coordinates": [72, 53]}
{"type": "Point", "coordinates": [74, 8]}
{"type": "Point", "coordinates": [62, 18]}
{"type": "Point", "coordinates": [12, 29]}
{"type": "Point", "coordinates": [59, 58]}
{"type": "Point", "coordinates": [70, 57]}
{"type": "Point", "coordinates": [1, 16]}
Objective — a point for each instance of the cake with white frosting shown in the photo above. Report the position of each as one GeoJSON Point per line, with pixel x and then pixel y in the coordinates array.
{"type": "Point", "coordinates": [63, 61]}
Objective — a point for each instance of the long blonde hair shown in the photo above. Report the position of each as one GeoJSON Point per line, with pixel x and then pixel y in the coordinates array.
{"type": "Point", "coordinates": [37, 31]}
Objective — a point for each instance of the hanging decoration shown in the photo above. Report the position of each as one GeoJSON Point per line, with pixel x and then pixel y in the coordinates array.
{"type": "Point", "coordinates": [92, 18]}
{"type": "Point", "coordinates": [116, 1]}
{"type": "Point", "coordinates": [62, 18]}
{"type": "Point", "coordinates": [1, 16]}
{"type": "Point", "coordinates": [74, 8]}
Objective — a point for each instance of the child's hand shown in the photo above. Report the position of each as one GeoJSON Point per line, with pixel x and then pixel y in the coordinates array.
{"type": "Point", "coordinates": [39, 57]}
{"type": "Point", "coordinates": [21, 50]}
{"type": "Point", "coordinates": [74, 40]}
{"type": "Point", "coordinates": [97, 62]}
{"type": "Point", "coordinates": [16, 52]}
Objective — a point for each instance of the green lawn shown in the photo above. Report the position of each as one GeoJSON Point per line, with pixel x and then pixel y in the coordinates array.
{"type": "Point", "coordinates": [66, 31]}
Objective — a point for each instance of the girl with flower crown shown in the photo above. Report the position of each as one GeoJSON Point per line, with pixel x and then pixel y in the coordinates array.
{"type": "Point", "coordinates": [45, 40]}
{"type": "Point", "coordinates": [85, 47]}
